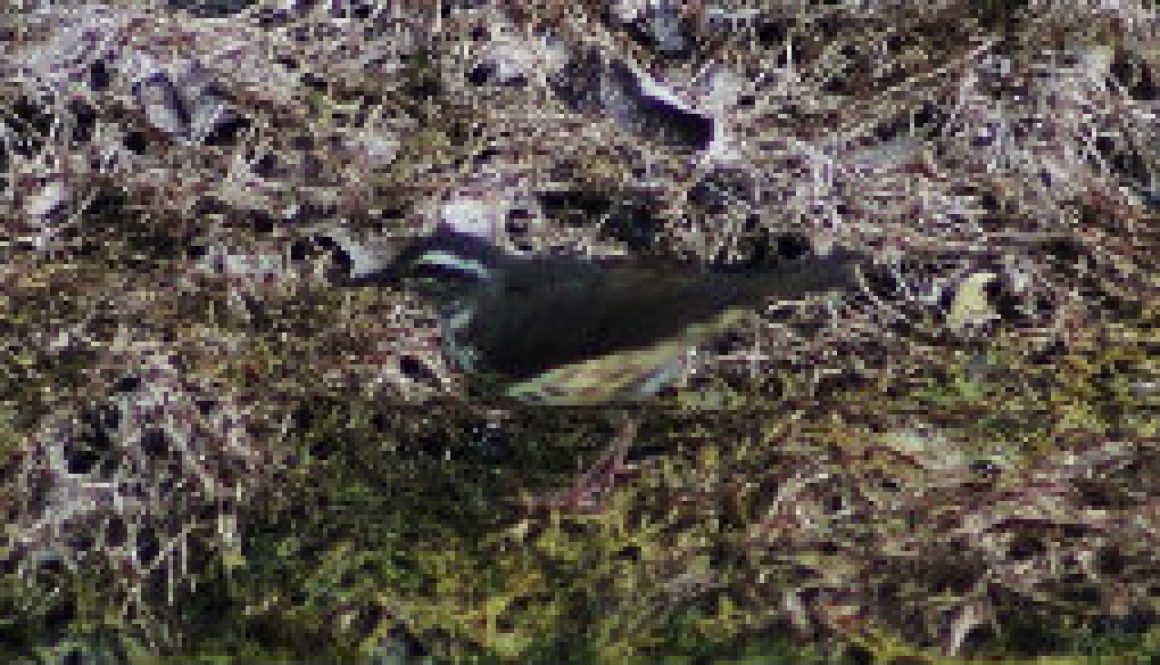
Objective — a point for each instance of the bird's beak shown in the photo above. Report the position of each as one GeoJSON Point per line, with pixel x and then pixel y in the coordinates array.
{"type": "Point", "coordinates": [362, 263]}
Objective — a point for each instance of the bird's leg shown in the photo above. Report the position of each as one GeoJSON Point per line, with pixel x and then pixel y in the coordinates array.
{"type": "Point", "coordinates": [600, 479]}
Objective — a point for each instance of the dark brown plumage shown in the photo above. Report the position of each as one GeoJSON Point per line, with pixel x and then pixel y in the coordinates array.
{"type": "Point", "coordinates": [546, 312]}
{"type": "Point", "coordinates": [572, 330]}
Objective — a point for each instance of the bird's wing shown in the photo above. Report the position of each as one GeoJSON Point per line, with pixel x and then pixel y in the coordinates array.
{"type": "Point", "coordinates": [547, 315]}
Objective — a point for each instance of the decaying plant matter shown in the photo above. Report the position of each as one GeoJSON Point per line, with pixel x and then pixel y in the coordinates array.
{"type": "Point", "coordinates": [958, 460]}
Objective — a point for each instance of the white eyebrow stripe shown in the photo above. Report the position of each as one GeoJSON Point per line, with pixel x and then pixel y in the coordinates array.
{"type": "Point", "coordinates": [441, 259]}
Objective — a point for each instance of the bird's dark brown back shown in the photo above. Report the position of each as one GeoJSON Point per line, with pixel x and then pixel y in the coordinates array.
{"type": "Point", "coordinates": [544, 313]}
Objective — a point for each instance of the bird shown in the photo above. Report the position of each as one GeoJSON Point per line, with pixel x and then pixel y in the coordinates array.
{"type": "Point", "coordinates": [568, 330]}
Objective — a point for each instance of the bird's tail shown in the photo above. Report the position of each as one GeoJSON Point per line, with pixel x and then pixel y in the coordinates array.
{"type": "Point", "coordinates": [797, 278]}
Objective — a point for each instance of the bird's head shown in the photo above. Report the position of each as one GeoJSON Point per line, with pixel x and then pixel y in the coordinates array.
{"type": "Point", "coordinates": [445, 263]}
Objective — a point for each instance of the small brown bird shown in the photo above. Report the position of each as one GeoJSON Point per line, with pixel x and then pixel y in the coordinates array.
{"type": "Point", "coordinates": [563, 330]}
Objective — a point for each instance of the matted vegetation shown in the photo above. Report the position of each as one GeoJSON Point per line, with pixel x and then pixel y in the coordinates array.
{"type": "Point", "coordinates": [209, 453]}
